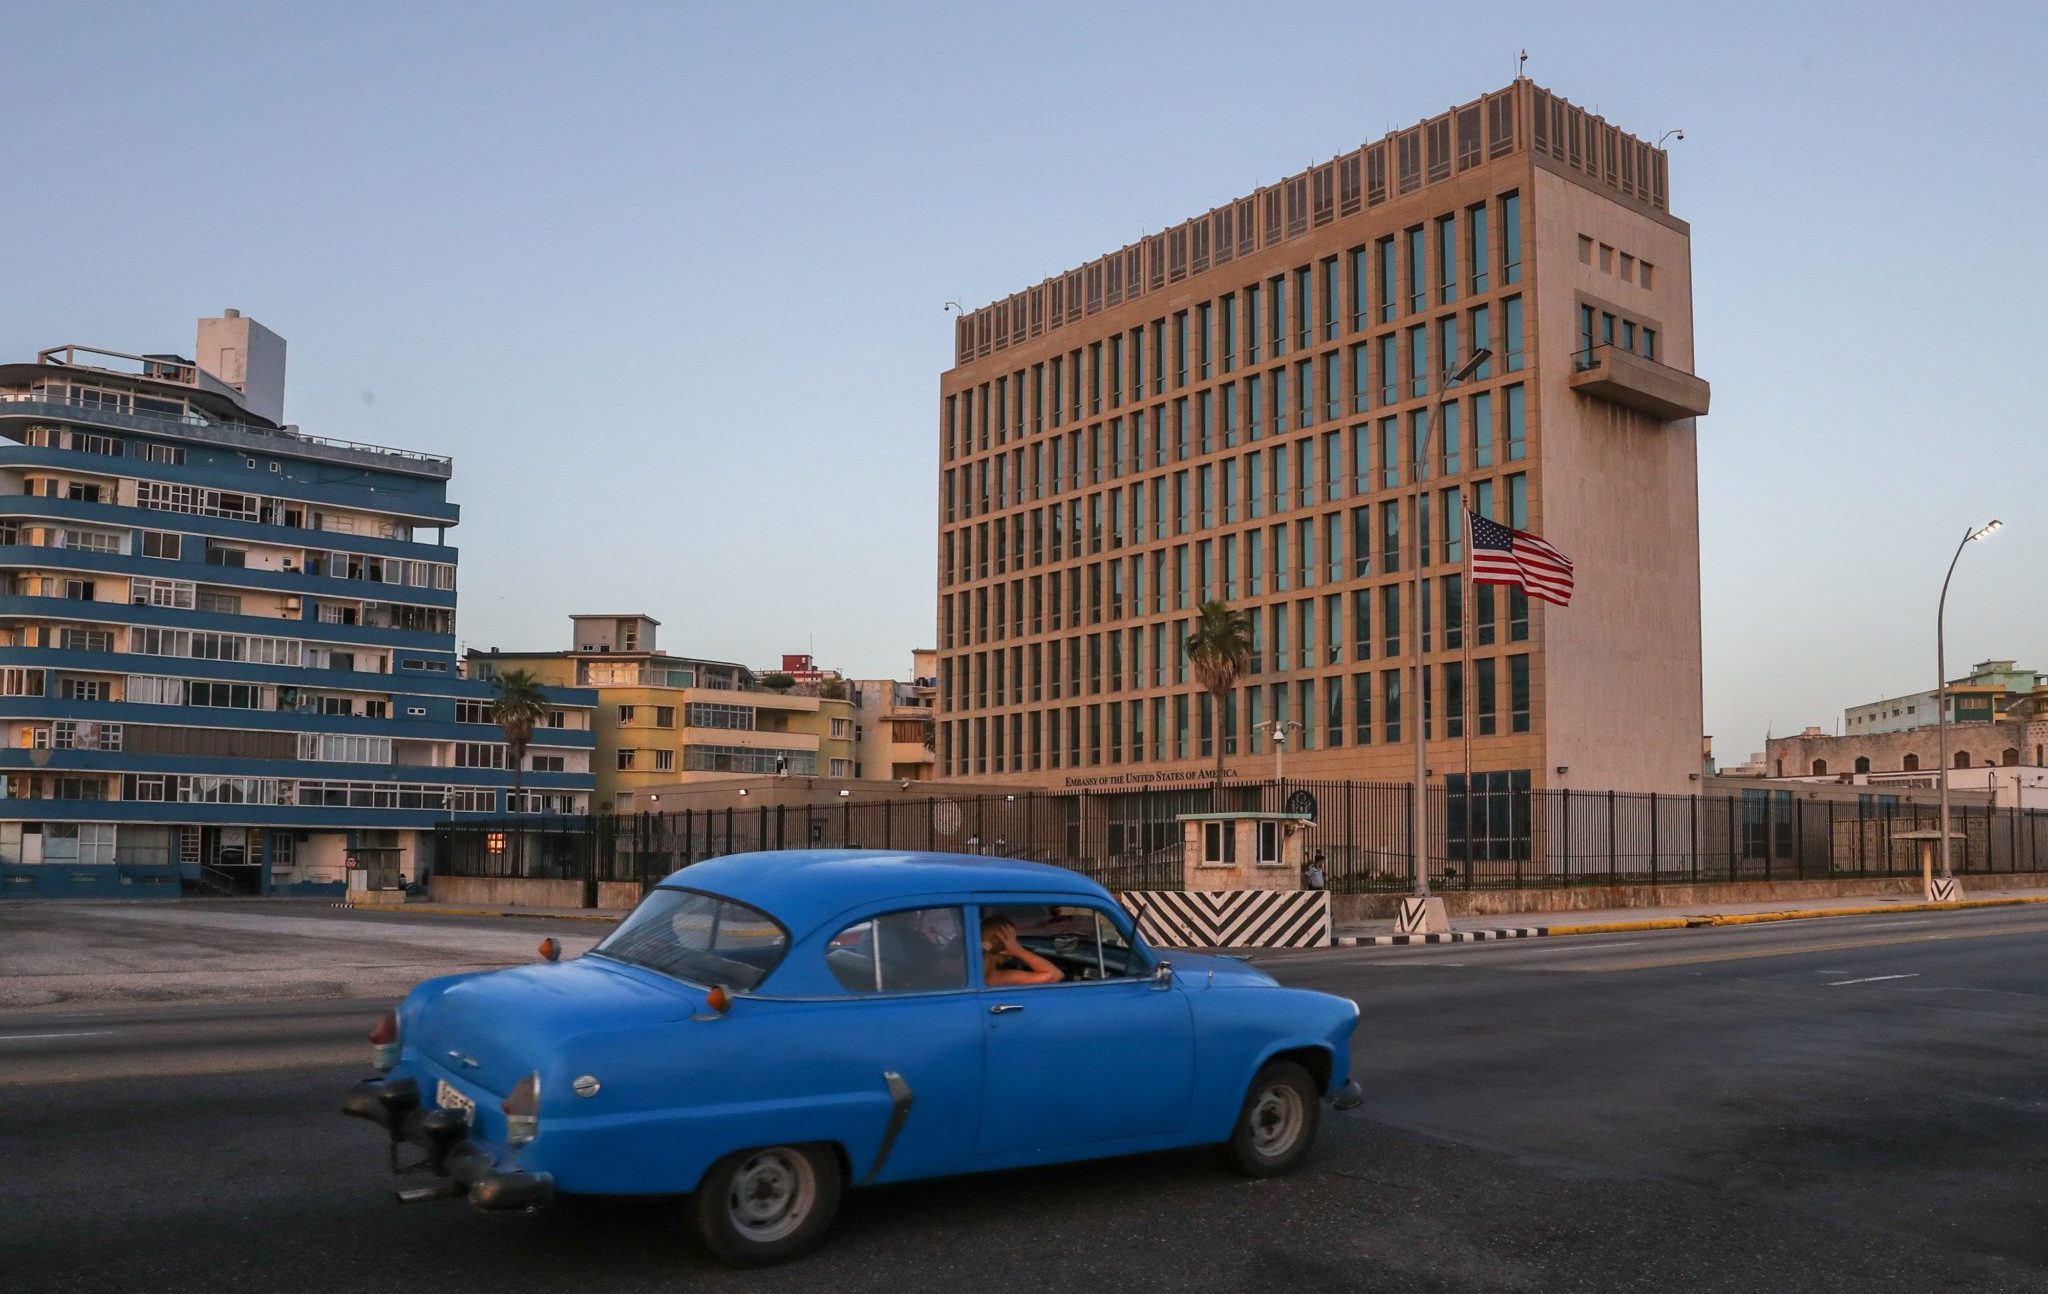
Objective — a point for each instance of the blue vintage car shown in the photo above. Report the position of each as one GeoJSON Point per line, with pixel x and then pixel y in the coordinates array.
{"type": "Point", "coordinates": [766, 1030]}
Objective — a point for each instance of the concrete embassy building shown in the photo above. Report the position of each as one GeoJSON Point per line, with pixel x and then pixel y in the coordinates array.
{"type": "Point", "coordinates": [227, 648]}
{"type": "Point", "coordinates": [1251, 406]}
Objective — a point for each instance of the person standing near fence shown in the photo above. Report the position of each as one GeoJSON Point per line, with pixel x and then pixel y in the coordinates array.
{"type": "Point", "coordinates": [1312, 872]}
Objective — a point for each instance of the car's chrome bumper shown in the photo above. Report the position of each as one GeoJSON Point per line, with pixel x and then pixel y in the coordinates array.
{"type": "Point", "coordinates": [1348, 1097]}
{"type": "Point", "coordinates": [468, 1168]}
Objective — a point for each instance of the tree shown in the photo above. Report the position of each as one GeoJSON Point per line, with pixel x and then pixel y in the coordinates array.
{"type": "Point", "coordinates": [518, 708]}
{"type": "Point", "coordinates": [832, 690]}
{"type": "Point", "coordinates": [1220, 649]}
{"type": "Point", "coordinates": [778, 682]}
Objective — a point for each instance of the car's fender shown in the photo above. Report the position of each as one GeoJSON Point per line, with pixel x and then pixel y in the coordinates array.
{"type": "Point", "coordinates": [1239, 1029]}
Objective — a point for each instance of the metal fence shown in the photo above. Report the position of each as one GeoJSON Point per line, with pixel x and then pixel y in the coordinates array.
{"type": "Point", "coordinates": [1132, 839]}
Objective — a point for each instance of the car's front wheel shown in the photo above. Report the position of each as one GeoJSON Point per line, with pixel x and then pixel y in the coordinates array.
{"type": "Point", "coordinates": [1277, 1123]}
{"type": "Point", "coordinates": [768, 1205]}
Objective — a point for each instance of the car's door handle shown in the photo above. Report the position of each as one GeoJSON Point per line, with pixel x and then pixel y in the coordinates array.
{"type": "Point", "coordinates": [1004, 1008]}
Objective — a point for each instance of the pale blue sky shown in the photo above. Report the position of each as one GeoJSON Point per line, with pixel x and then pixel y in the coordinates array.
{"type": "Point", "coordinates": [666, 279]}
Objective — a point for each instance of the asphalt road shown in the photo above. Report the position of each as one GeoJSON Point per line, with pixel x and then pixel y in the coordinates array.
{"type": "Point", "coordinates": [1854, 1104]}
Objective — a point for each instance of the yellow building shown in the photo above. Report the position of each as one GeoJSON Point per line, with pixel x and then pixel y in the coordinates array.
{"type": "Point", "coordinates": [664, 719]}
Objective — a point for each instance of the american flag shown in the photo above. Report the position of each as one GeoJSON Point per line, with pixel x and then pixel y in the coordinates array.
{"type": "Point", "coordinates": [1504, 556]}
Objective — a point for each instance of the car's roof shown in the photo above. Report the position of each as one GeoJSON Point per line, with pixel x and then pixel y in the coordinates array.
{"type": "Point", "coordinates": [802, 887]}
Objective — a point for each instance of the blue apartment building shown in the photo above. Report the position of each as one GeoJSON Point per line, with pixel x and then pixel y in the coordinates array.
{"type": "Point", "coordinates": [227, 647]}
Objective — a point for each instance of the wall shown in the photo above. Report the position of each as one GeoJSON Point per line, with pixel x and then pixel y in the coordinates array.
{"type": "Point", "coordinates": [1594, 898]}
{"type": "Point", "coordinates": [1619, 494]}
{"type": "Point", "coordinates": [612, 896]}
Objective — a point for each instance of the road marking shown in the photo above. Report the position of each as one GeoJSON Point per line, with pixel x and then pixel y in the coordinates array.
{"type": "Point", "coordinates": [1872, 979]}
{"type": "Point", "coordinates": [25, 1037]}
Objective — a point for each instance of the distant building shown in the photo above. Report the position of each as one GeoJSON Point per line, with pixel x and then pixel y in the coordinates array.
{"type": "Point", "coordinates": [665, 719]}
{"type": "Point", "coordinates": [802, 668]}
{"type": "Point", "coordinates": [1981, 697]}
{"type": "Point", "coordinates": [227, 647]}
{"type": "Point", "coordinates": [895, 725]}
{"type": "Point", "coordinates": [2007, 756]}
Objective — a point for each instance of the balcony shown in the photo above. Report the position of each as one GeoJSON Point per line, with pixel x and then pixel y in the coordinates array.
{"type": "Point", "coordinates": [1627, 379]}
{"type": "Point", "coordinates": [243, 437]}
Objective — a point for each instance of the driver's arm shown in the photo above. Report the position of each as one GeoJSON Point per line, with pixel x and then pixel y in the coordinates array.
{"type": "Point", "coordinates": [1040, 970]}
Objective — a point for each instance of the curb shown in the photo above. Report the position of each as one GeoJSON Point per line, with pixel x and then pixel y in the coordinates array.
{"type": "Point", "coordinates": [1672, 923]}
{"type": "Point", "coordinates": [1449, 937]}
{"type": "Point", "coordinates": [608, 918]}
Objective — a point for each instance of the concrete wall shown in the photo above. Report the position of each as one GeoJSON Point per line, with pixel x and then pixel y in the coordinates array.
{"type": "Point", "coordinates": [1592, 898]}
{"type": "Point", "coordinates": [612, 896]}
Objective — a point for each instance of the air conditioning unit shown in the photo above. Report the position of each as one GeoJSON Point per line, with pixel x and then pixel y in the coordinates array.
{"type": "Point", "coordinates": [292, 606]}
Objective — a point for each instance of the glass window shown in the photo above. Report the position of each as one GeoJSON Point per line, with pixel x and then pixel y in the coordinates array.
{"type": "Point", "coordinates": [1511, 319]}
{"type": "Point", "coordinates": [1387, 273]}
{"type": "Point", "coordinates": [1475, 224]}
{"type": "Point", "coordinates": [1447, 256]}
{"type": "Point", "coordinates": [1511, 238]}
{"type": "Point", "coordinates": [1517, 428]}
{"type": "Point", "coordinates": [700, 938]}
{"type": "Point", "coordinates": [1076, 940]}
{"type": "Point", "coordinates": [902, 952]}
{"type": "Point", "coordinates": [1418, 271]}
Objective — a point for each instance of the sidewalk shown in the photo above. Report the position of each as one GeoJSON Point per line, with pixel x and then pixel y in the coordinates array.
{"type": "Point", "coordinates": [1600, 921]}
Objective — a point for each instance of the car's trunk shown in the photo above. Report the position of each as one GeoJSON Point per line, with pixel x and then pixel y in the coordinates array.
{"type": "Point", "coordinates": [492, 1030]}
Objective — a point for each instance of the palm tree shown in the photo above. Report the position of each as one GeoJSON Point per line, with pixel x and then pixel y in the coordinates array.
{"type": "Point", "coordinates": [518, 708]}
{"type": "Point", "coordinates": [1220, 649]}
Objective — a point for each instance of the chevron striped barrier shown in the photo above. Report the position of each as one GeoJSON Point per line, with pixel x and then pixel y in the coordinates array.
{"type": "Point", "coordinates": [1231, 918]}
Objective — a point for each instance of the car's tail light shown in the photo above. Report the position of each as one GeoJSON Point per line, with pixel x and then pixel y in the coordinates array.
{"type": "Point", "coordinates": [384, 1043]}
{"type": "Point", "coordinates": [522, 1111]}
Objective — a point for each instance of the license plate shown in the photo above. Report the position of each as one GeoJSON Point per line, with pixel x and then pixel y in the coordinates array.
{"type": "Point", "coordinates": [448, 1098]}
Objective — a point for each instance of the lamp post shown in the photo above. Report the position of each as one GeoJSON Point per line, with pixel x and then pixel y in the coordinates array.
{"type": "Point", "coordinates": [1941, 681]}
{"type": "Point", "coordinates": [1279, 727]}
{"type": "Point", "coordinates": [1418, 812]}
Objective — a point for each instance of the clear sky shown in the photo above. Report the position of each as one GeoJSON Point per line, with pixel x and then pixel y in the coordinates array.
{"type": "Point", "coordinates": [666, 279]}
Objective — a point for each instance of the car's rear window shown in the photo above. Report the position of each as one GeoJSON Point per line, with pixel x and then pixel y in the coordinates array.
{"type": "Point", "coordinates": [699, 937]}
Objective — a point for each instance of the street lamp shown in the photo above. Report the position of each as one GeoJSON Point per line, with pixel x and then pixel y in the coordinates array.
{"type": "Point", "coordinates": [1941, 682]}
{"type": "Point", "coordinates": [1417, 807]}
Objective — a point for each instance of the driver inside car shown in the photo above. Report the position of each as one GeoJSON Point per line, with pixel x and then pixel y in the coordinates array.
{"type": "Point", "coordinates": [1006, 961]}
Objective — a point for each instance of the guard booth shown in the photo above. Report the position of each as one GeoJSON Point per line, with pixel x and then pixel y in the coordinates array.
{"type": "Point", "coordinates": [1243, 851]}
{"type": "Point", "coordinates": [376, 875]}
{"type": "Point", "coordinates": [1242, 878]}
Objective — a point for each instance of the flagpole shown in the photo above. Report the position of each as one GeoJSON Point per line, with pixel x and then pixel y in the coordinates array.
{"type": "Point", "coordinates": [1465, 689]}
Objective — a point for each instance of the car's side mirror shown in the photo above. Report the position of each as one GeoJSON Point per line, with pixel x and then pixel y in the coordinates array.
{"type": "Point", "coordinates": [1162, 975]}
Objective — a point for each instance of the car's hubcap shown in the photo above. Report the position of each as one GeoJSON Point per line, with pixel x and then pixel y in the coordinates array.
{"type": "Point", "coordinates": [772, 1194]}
{"type": "Point", "coordinates": [1276, 1120]}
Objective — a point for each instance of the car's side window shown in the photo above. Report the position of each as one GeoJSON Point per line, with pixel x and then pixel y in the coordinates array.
{"type": "Point", "coordinates": [919, 951]}
{"type": "Point", "coordinates": [1024, 944]}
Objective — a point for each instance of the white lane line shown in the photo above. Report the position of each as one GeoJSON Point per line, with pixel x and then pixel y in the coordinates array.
{"type": "Point", "coordinates": [1872, 979]}
{"type": "Point", "coordinates": [25, 1037]}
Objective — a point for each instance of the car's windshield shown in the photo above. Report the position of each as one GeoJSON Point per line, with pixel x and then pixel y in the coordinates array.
{"type": "Point", "coordinates": [698, 937]}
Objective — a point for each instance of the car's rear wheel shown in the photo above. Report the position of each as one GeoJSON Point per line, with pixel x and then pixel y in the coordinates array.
{"type": "Point", "coordinates": [767, 1205]}
{"type": "Point", "coordinates": [1277, 1124]}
